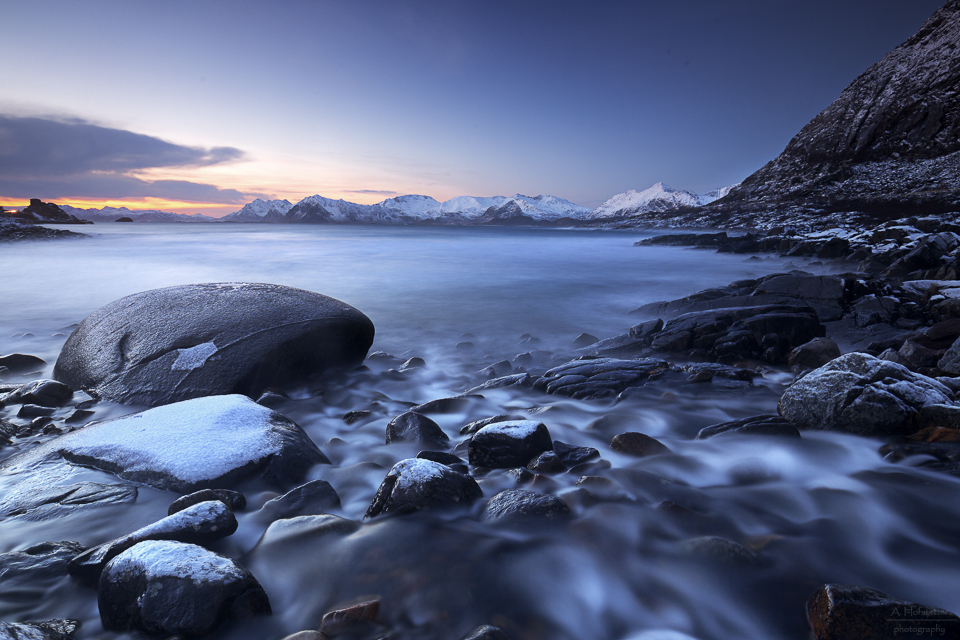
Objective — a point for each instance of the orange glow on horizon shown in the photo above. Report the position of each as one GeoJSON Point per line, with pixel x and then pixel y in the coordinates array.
{"type": "Point", "coordinates": [215, 209]}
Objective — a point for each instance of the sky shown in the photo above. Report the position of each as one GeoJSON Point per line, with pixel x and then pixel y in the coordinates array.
{"type": "Point", "coordinates": [202, 105]}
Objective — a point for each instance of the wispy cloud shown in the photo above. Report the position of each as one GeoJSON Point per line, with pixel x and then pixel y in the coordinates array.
{"type": "Point", "coordinates": [373, 192]}
{"type": "Point", "coordinates": [49, 158]}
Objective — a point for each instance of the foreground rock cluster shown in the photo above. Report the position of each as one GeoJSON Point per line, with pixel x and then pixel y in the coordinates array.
{"type": "Point", "coordinates": [180, 574]}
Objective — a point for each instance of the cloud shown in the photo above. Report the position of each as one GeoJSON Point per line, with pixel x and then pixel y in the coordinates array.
{"type": "Point", "coordinates": [51, 159]}
{"type": "Point", "coordinates": [374, 192]}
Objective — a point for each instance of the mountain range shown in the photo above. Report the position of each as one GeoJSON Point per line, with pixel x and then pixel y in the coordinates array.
{"type": "Point", "coordinates": [419, 209]}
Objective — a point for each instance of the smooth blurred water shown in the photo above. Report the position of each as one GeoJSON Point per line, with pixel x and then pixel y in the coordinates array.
{"type": "Point", "coordinates": [421, 286]}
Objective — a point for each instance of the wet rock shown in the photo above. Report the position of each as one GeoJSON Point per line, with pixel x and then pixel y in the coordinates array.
{"type": "Point", "coordinates": [857, 393]}
{"type": "Point", "coordinates": [442, 457]}
{"type": "Point", "coordinates": [873, 310]}
{"type": "Point", "coordinates": [487, 632]}
{"type": "Point", "coordinates": [585, 340]}
{"type": "Point", "coordinates": [950, 361]}
{"type": "Point", "coordinates": [19, 362]}
{"type": "Point", "coordinates": [272, 398]}
{"type": "Point", "coordinates": [415, 484]}
{"type": "Point", "coordinates": [412, 363]}
{"type": "Point", "coordinates": [455, 404]}
{"type": "Point", "coordinates": [513, 443]}
{"type": "Point", "coordinates": [823, 293]}
{"type": "Point", "coordinates": [199, 524]}
{"type": "Point", "coordinates": [547, 462]}
{"type": "Point", "coordinates": [519, 504]}
{"type": "Point", "coordinates": [36, 563]}
{"type": "Point", "coordinates": [721, 550]}
{"type": "Point", "coordinates": [189, 341]}
{"type": "Point", "coordinates": [850, 612]}
{"type": "Point", "coordinates": [638, 444]}
{"type": "Point", "coordinates": [936, 434]}
{"type": "Point", "coordinates": [46, 630]}
{"type": "Point", "coordinates": [514, 380]}
{"type": "Point", "coordinates": [308, 634]}
{"type": "Point", "coordinates": [598, 378]}
{"type": "Point", "coordinates": [813, 354]}
{"type": "Point", "coordinates": [78, 415]}
{"type": "Point", "coordinates": [943, 457]}
{"type": "Point", "coordinates": [313, 498]}
{"type": "Point", "coordinates": [476, 425]}
{"type": "Point", "coordinates": [414, 427]}
{"type": "Point", "coordinates": [498, 369]}
{"type": "Point", "coordinates": [211, 442]}
{"type": "Point", "coordinates": [351, 417]}
{"type": "Point", "coordinates": [348, 618]}
{"type": "Point", "coordinates": [233, 499]}
{"type": "Point", "coordinates": [623, 345]}
{"type": "Point", "coordinates": [41, 502]}
{"type": "Point", "coordinates": [35, 411]}
{"type": "Point", "coordinates": [45, 393]}
{"type": "Point", "coordinates": [762, 425]}
{"type": "Point", "coordinates": [163, 587]}
{"type": "Point", "coordinates": [571, 455]}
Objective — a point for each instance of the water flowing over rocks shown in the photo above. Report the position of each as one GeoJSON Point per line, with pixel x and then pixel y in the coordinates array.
{"type": "Point", "coordinates": [184, 342]}
{"type": "Point", "coordinates": [211, 442]}
{"type": "Point", "coordinates": [858, 393]}
{"type": "Point", "coordinates": [163, 587]}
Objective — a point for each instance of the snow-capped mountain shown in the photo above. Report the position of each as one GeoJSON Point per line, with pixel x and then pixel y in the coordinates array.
{"type": "Point", "coordinates": [110, 214]}
{"type": "Point", "coordinates": [716, 194]}
{"type": "Point", "coordinates": [656, 199]}
{"type": "Point", "coordinates": [256, 210]}
{"type": "Point", "coordinates": [538, 208]}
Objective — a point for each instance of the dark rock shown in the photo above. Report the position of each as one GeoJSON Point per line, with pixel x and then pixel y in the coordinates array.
{"type": "Point", "coordinates": [937, 456]}
{"type": "Point", "coordinates": [598, 378]}
{"type": "Point", "coordinates": [455, 404]}
{"type": "Point", "coordinates": [571, 456]}
{"type": "Point", "coordinates": [44, 561]}
{"type": "Point", "coordinates": [849, 612]}
{"type": "Point", "coordinates": [313, 498]}
{"type": "Point", "coordinates": [498, 369]}
{"type": "Point", "coordinates": [476, 425]}
{"type": "Point", "coordinates": [824, 293]}
{"type": "Point", "coordinates": [919, 356]}
{"type": "Point", "coordinates": [413, 427]}
{"type": "Point", "coordinates": [272, 398]}
{"type": "Point", "coordinates": [46, 630]}
{"type": "Point", "coordinates": [515, 380]}
{"type": "Point", "coordinates": [638, 444]}
{"type": "Point", "coordinates": [33, 502]}
{"type": "Point", "coordinates": [763, 425]}
{"type": "Point", "coordinates": [415, 484]}
{"type": "Point", "coordinates": [449, 459]}
{"type": "Point", "coordinates": [813, 354]}
{"type": "Point", "coordinates": [79, 415]}
{"type": "Point", "coordinates": [646, 330]}
{"type": "Point", "coordinates": [35, 411]}
{"type": "Point", "coordinates": [348, 618]}
{"type": "Point", "coordinates": [19, 362]}
{"type": "Point", "coordinates": [199, 524]}
{"type": "Point", "coordinates": [547, 462]}
{"type": "Point", "coordinates": [518, 504]}
{"type": "Point", "coordinates": [621, 345]}
{"type": "Point", "coordinates": [356, 416]}
{"type": "Point", "coordinates": [46, 393]}
{"type": "Point", "coordinates": [46, 212]}
{"type": "Point", "coordinates": [833, 248]}
{"type": "Point", "coordinates": [163, 587]}
{"type": "Point", "coordinates": [857, 393]}
{"type": "Point", "coordinates": [412, 363]}
{"type": "Point", "coordinates": [514, 443]}
{"type": "Point", "coordinates": [584, 340]}
{"type": "Point", "coordinates": [487, 632]}
{"type": "Point", "coordinates": [124, 219]}
{"type": "Point", "coordinates": [950, 361]}
{"type": "Point", "coordinates": [233, 499]}
{"type": "Point", "coordinates": [721, 550]}
{"type": "Point", "coordinates": [719, 371]}
{"type": "Point", "coordinates": [873, 310]}
{"type": "Point", "coordinates": [211, 442]}
{"type": "Point", "coordinates": [177, 343]}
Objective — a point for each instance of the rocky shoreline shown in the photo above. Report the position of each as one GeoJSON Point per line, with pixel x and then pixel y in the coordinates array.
{"type": "Point", "coordinates": [874, 351]}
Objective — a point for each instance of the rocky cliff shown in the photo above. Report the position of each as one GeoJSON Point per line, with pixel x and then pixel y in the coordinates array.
{"type": "Point", "coordinates": [888, 146]}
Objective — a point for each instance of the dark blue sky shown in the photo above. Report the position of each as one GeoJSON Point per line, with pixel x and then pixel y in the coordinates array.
{"type": "Point", "coordinates": [579, 100]}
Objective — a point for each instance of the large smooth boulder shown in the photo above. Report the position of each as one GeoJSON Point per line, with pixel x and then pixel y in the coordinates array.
{"type": "Point", "coordinates": [172, 588]}
{"type": "Point", "coordinates": [212, 442]}
{"type": "Point", "coordinates": [857, 393]}
{"type": "Point", "coordinates": [165, 345]}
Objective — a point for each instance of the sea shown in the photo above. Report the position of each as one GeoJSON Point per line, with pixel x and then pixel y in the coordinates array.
{"type": "Point", "coordinates": [629, 562]}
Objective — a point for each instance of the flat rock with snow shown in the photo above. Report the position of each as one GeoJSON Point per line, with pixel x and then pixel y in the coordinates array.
{"type": "Point", "coordinates": [172, 588]}
{"type": "Point", "coordinates": [212, 442]}
{"type": "Point", "coordinates": [860, 394]}
{"type": "Point", "coordinates": [165, 345]}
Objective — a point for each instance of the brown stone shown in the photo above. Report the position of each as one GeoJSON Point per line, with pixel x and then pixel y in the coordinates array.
{"type": "Point", "coordinates": [342, 620]}
{"type": "Point", "coordinates": [638, 444]}
{"type": "Point", "coordinates": [936, 434]}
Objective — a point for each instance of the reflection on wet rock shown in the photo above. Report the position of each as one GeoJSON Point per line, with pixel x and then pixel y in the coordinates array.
{"type": "Point", "coordinates": [32, 502]}
{"type": "Point", "coordinates": [638, 444]}
{"type": "Point", "coordinates": [512, 443]}
{"type": "Point", "coordinates": [313, 498]}
{"type": "Point", "coordinates": [764, 425]}
{"type": "Point", "coordinates": [415, 484]}
{"type": "Point", "coordinates": [599, 378]}
{"type": "Point", "coordinates": [415, 427]}
{"type": "Point", "coordinates": [233, 499]}
{"type": "Point", "coordinates": [518, 504]}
